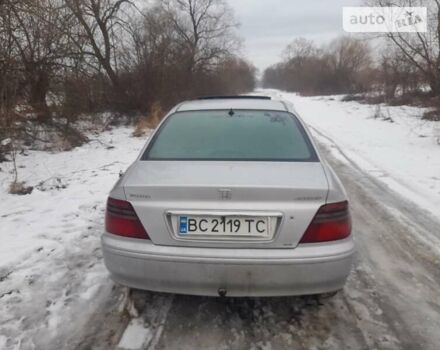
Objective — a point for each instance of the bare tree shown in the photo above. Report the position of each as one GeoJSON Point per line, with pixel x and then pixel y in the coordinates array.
{"type": "Point", "coordinates": [336, 68]}
{"type": "Point", "coordinates": [100, 21]}
{"type": "Point", "coordinates": [9, 72]}
{"type": "Point", "coordinates": [396, 73]}
{"type": "Point", "coordinates": [348, 57]}
{"type": "Point", "coordinates": [206, 29]}
{"type": "Point", "coordinates": [299, 49]}
{"type": "Point", "coordinates": [39, 50]}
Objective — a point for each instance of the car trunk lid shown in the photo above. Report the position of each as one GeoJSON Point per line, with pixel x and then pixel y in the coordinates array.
{"type": "Point", "coordinates": [287, 193]}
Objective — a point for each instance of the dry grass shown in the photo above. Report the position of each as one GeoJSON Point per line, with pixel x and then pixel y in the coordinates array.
{"type": "Point", "coordinates": [149, 122]}
{"type": "Point", "coordinates": [20, 188]}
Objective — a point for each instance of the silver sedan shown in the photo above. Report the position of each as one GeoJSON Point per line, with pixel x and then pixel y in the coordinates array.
{"type": "Point", "coordinates": [229, 197]}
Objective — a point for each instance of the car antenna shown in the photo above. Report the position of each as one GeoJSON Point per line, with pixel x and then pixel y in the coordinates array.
{"type": "Point", "coordinates": [231, 112]}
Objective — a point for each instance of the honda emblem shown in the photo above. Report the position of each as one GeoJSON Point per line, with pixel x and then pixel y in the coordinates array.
{"type": "Point", "coordinates": [225, 194]}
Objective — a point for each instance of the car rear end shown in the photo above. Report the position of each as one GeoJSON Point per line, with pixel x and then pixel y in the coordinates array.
{"type": "Point", "coordinates": [235, 213]}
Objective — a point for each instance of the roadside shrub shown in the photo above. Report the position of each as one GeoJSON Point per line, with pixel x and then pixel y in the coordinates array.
{"type": "Point", "coordinates": [149, 122]}
{"type": "Point", "coordinates": [432, 116]}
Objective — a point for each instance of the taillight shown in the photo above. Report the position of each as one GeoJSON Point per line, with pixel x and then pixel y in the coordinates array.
{"type": "Point", "coordinates": [332, 222]}
{"type": "Point", "coordinates": [121, 220]}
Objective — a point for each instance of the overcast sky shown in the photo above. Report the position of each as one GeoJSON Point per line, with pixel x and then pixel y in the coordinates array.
{"type": "Point", "coordinates": [268, 26]}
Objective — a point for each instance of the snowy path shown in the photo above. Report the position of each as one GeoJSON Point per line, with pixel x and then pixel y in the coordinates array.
{"type": "Point", "coordinates": [55, 293]}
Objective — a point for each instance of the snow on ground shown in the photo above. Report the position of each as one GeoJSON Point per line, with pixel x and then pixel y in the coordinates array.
{"type": "Point", "coordinates": [51, 271]}
{"type": "Point", "coordinates": [403, 153]}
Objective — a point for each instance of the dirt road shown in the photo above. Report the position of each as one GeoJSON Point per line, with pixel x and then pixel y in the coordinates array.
{"type": "Point", "coordinates": [391, 301]}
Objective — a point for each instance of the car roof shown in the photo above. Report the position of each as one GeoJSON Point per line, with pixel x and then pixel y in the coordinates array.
{"type": "Point", "coordinates": [232, 103]}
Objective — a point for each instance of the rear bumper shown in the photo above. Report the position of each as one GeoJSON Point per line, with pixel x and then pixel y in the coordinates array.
{"type": "Point", "coordinates": [307, 269]}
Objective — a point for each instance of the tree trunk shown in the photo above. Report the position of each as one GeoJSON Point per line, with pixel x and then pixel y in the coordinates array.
{"type": "Point", "coordinates": [434, 84]}
{"type": "Point", "coordinates": [39, 86]}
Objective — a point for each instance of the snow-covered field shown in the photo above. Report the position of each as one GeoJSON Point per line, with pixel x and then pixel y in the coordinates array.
{"type": "Point", "coordinates": [51, 271]}
{"type": "Point", "coordinates": [403, 151]}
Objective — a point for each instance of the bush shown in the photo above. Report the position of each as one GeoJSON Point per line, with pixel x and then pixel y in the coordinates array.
{"type": "Point", "coordinates": [432, 116]}
{"type": "Point", "coordinates": [150, 122]}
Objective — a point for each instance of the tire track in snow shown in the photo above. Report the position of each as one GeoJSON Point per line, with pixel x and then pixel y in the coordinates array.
{"type": "Point", "coordinates": [144, 330]}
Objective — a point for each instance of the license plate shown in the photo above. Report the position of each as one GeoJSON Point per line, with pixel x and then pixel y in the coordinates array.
{"type": "Point", "coordinates": [223, 226]}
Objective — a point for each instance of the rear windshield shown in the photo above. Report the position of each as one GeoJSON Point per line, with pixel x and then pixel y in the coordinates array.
{"type": "Point", "coordinates": [240, 135]}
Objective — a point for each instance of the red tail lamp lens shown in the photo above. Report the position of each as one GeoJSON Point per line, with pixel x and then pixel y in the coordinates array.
{"type": "Point", "coordinates": [332, 222]}
{"type": "Point", "coordinates": [122, 220]}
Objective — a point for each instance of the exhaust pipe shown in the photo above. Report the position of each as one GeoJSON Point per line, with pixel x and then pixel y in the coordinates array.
{"type": "Point", "coordinates": [222, 292]}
